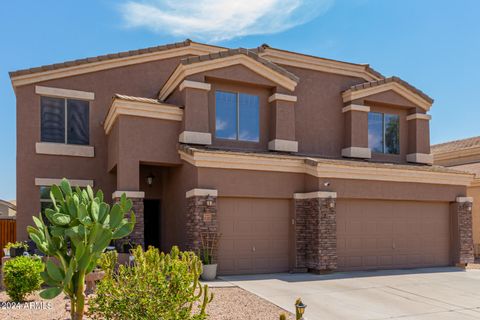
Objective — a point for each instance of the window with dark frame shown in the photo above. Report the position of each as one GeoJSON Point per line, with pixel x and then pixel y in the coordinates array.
{"type": "Point", "coordinates": [45, 201]}
{"type": "Point", "coordinates": [64, 120]}
{"type": "Point", "coordinates": [383, 133]}
{"type": "Point", "coordinates": [237, 116]}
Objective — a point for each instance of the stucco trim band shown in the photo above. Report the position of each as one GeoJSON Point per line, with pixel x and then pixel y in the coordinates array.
{"type": "Point", "coordinates": [183, 71]}
{"type": "Point", "coordinates": [357, 152]}
{"type": "Point", "coordinates": [195, 137]}
{"type": "Point", "coordinates": [283, 145]}
{"type": "Point", "coordinates": [420, 158]}
{"type": "Point", "coordinates": [316, 63]}
{"type": "Point", "coordinates": [322, 169]}
{"type": "Point", "coordinates": [47, 182]}
{"type": "Point", "coordinates": [350, 95]}
{"type": "Point", "coordinates": [195, 49]}
{"type": "Point", "coordinates": [64, 93]}
{"type": "Point", "coordinates": [282, 97]}
{"type": "Point", "coordinates": [129, 194]}
{"type": "Point", "coordinates": [420, 116]}
{"type": "Point", "coordinates": [356, 107]}
{"type": "Point", "coordinates": [317, 194]}
{"type": "Point", "coordinates": [61, 149]}
{"type": "Point", "coordinates": [197, 192]}
{"type": "Point", "coordinates": [464, 199]}
{"type": "Point", "coordinates": [195, 85]}
{"type": "Point", "coordinates": [156, 110]}
{"type": "Point", "coordinates": [475, 182]}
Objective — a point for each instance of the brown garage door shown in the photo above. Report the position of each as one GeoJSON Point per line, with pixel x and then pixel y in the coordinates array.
{"type": "Point", "coordinates": [254, 235]}
{"type": "Point", "coordinates": [373, 234]}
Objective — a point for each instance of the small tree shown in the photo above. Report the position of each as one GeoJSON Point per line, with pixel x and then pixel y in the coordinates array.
{"type": "Point", "coordinates": [81, 227]}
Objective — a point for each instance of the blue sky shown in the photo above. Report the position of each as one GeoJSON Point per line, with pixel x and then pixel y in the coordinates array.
{"type": "Point", "coordinates": [434, 45]}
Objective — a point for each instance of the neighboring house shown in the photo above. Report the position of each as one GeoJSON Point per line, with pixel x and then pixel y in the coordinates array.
{"type": "Point", "coordinates": [299, 162]}
{"type": "Point", "coordinates": [464, 155]}
{"type": "Point", "coordinates": [8, 209]}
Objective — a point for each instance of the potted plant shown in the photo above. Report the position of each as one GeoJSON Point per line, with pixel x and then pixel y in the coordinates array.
{"type": "Point", "coordinates": [6, 251]}
{"type": "Point", "coordinates": [207, 255]}
{"type": "Point", "coordinates": [16, 249]}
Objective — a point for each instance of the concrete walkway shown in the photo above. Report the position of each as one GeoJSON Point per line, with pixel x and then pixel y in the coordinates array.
{"type": "Point", "coordinates": [426, 294]}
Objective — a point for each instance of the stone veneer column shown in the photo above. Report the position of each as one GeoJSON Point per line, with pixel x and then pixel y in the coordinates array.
{"type": "Point", "coordinates": [200, 217]}
{"type": "Point", "coordinates": [356, 132]}
{"type": "Point", "coordinates": [462, 220]}
{"type": "Point", "coordinates": [315, 231]}
{"type": "Point", "coordinates": [138, 234]}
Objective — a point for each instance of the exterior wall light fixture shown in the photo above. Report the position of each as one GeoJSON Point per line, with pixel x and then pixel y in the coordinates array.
{"type": "Point", "coordinates": [209, 201]}
{"type": "Point", "coordinates": [150, 179]}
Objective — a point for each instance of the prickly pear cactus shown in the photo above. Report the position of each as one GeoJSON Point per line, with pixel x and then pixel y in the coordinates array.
{"type": "Point", "coordinates": [81, 225]}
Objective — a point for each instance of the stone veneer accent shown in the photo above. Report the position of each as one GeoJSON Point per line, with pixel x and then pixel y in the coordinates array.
{"type": "Point", "coordinates": [315, 233]}
{"type": "Point", "coordinates": [465, 235]}
{"type": "Point", "coordinates": [138, 234]}
{"type": "Point", "coordinates": [200, 217]}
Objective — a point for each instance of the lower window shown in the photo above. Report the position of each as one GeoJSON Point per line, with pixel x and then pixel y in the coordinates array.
{"type": "Point", "coordinates": [383, 133]}
{"type": "Point", "coordinates": [45, 201]}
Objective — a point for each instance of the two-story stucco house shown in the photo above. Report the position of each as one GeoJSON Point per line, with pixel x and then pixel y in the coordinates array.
{"type": "Point", "coordinates": [299, 162]}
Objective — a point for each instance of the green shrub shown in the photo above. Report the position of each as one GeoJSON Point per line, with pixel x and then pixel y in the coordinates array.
{"type": "Point", "coordinates": [22, 276]}
{"type": "Point", "coordinates": [15, 245]}
{"type": "Point", "coordinates": [154, 286]}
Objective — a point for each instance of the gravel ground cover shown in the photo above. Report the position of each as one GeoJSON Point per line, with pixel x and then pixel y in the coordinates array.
{"type": "Point", "coordinates": [228, 303]}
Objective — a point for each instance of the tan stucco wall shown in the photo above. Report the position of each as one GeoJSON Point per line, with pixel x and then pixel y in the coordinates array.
{"type": "Point", "coordinates": [319, 127]}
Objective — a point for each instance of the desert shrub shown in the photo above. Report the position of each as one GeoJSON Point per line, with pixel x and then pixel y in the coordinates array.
{"type": "Point", "coordinates": [154, 286]}
{"type": "Point", "coordinates": [22, 276]}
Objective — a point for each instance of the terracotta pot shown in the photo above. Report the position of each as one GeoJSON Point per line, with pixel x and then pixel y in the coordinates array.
{"type": "Point", "coordinates": [209, 272]}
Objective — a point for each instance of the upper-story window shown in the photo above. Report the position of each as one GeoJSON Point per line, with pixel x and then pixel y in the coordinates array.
{"type": "Point", "coordinates": [383, 133]}
{"type": "Point", "coordinates": [237, 116]}
{"type": "Point", "coordinates": [64, 120]}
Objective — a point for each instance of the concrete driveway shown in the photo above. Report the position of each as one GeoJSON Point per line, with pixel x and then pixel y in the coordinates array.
{"type": "Point", "coordinates": [432, 293]}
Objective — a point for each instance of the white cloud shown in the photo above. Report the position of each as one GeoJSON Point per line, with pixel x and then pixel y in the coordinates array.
{"type": "Point", "coordinates": [216, 20]}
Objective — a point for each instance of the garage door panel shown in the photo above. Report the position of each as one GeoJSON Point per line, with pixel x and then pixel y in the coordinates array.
{"type": "Point", "coordinates": [376, 234]}
{"type": "Point", "coordinates": [258, 241]}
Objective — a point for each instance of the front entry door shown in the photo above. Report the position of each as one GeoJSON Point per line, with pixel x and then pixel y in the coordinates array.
{"type": "Point", "coordinates": [152, 223]}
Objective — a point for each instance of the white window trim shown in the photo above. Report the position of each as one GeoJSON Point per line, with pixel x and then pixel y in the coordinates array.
{"type": "Point", "coordinates": [48, 182]}
{"type": "Point", "coordinates": [64, 93]}
{"type": "Point", "coordinates": [63, 149]}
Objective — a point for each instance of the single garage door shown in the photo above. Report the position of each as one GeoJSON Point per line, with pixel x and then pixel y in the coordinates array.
{"type": "Point", "coordinates": [254, 235]}
{"type": "Point", "coordinates": [374, 234]}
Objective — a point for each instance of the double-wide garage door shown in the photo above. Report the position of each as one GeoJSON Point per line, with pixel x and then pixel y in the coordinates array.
{"type": "Point", "coordinates": [254, 235]}
{"type": "Point", "coordinates": [374, 234]}
{"type": "Point", "coordinates": [371, 234]}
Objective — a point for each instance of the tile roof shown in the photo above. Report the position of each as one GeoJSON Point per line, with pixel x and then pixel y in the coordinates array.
{"type": "Point", "coordinates": [123, 54]}
{"type": "Point", "coordinates": [387, 80]}
{"type": "Point", "coordinates": [246, 52]}
{"type": "Point", "coordinates": [366, 66]}
{"type": "Point", "coordinates": [314, 160]}
{"type": "Point", "coordinates": [456, 145]}
{"type": "Point", "coordinates": [142, 99]}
